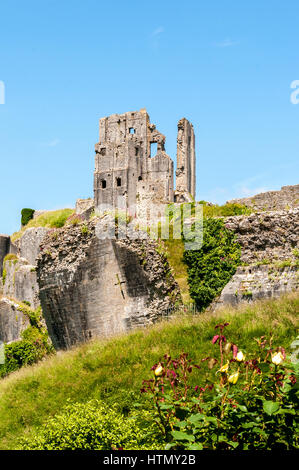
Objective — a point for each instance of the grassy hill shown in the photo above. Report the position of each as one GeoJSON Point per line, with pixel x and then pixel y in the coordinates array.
{"type": "Point", "coordinates": [113, 369]}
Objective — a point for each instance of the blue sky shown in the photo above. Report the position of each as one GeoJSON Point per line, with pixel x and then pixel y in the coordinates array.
{"type": "Point", "coordinates": [227, 66]}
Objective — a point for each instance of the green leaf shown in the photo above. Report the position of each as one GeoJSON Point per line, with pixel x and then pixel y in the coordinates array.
{"type": "Point", "coordinates": [195, 446]}
{"type": "Point", "coordinates": [270, 407]}
{"type": "Point", "coordinates": [165, 407]}
{"type": "Point", "coordinates": [182, 436]}
{"type": "Point", "coordinates": [195, 418]}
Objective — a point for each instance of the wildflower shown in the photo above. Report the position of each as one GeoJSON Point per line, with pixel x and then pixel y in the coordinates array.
{"type": "Point", "coordinates": [158, 370]}
{"type": "Point", "coordinates": [224, 368]}
{"type": "Point", "coordinates": [240, 356]}
{"type": "Point", "coordinates": [277, 358]}
{"type": "Point", "coordinates": [233, 378]}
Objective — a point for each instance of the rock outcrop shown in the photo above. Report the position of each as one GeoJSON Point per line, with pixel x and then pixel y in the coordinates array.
{"type": "Point", "coordinates": [93, 287]}
{"type": "Point", "coordinates": [12, 320]}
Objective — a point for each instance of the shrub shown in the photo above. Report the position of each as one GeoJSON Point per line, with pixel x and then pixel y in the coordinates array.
{"type": "Point", "coordinates": [26, 216]}
{"type": "Point", "coordinates": [93, 426]}
{"type": "Point", "coordinates": [250, 405]}
{"type": "Point", "coordinates": [33, 346]}
{"type": "Point", "coordinates": [210, 268]}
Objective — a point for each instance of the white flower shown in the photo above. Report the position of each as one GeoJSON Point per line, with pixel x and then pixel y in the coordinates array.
{"type": "Point", "coordinates": [240, 356]}
{"type": "Point", "coordinates": [277, 358]}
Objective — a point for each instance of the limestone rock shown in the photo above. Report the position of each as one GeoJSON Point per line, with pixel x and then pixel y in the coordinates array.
{"type": "Point", "coordinates": [93, 287]}
{"type": "Point", "coordinates": [12, 321]}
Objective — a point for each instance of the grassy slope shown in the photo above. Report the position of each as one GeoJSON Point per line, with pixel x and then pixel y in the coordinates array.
{"type": "Point", "coordinates": [113, 369]}
{"type": "Point", "coordinates": [50, 219]}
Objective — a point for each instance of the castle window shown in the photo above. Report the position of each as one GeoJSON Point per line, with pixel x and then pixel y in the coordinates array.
{"type": "Point", "coordinates": [136, 151]}
{"type": "Point", "coordinates": [118, 181]}
{"type": "Point", "coordinates": [131, 130]}
{"type": "Point", "coordinates": [154, 148]}
{"type": "Point", "coordinates": [103, 151]}
{"type": "Point", "coordinates": [103, 184]}
{"type": "Point", "coordinates": [139, 178]}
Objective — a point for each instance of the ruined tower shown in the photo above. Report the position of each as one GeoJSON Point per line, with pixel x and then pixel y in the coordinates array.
{"type": "Point", "coordinates": [125, 169]}
{"type": "Point", "coordinates": [186, 170]}
{"type": "Point", "coordinates": [130, 175]}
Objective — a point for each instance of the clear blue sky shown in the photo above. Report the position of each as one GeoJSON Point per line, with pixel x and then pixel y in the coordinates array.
{"type": "Point", "coordinates": [225, 65]}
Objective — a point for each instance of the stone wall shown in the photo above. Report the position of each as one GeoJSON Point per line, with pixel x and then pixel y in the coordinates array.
{"type": "Point", "coordinates": [186, 170]}
{"type": "Point", "coordinates": [12, 321]}
{"type": "Point", "coordinates": [20, 282]}
{"type": "Point", "coordinates": [270, 256]}
{"type": "Point", "coordinates": [92, 287]}
{"type": "Point", "coordinates": [286, 198]}
{"type": "Point", "coordinates": [29, 245]}
{"type": "Point", "coordinates": [4, 250]}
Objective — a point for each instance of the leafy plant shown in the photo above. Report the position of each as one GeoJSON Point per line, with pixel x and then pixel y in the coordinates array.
{"type": "Point", "coordinates": [251, 404]}
{"type": "Point", "coordinates": [93, 426]}
{"type": "Point", "coordinates": [210, 268]}
{"type": "Point", "coordinates": [26, 215]}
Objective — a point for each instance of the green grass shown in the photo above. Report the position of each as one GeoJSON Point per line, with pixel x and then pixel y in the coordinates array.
{"type": "Point", "coordinates": [175, 250]}
{"type": "Point", "coordinates": [51, 219]}
{"type": "Point", "coordinates": [112, 370]}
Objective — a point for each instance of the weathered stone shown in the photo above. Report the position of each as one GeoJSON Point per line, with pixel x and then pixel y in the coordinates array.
{"type": "Point", "coordinates": [127, 174]}
{"type": "Point", "coordinates": [269, 246]}
{"type": "Point", "coordinates": [266, 235]}
{"type": "Point", "coordinates": [4, 250]}
{"type": "Point", "coordinates": [12, 321]}
{"type": "Point", "coordinates": [258, 282]}
{"type": "Point", "coordinates": [20, 281]}
{"type": "Point", "coordinates": [186, 171]}
{"type": "Point", "coordinates": [99, 287]}
{"type": "Point", "coordinates": [286, 198]}
{"type": "Point", "coordinates": [84, 208]}
{"type": "Point", "coordinates": [30, 243]}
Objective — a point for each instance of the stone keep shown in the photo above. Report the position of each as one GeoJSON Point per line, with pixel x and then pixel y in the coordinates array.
{"type": "Point", "coordinates": [127, 174]}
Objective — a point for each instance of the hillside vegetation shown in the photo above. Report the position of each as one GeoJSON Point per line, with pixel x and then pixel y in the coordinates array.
{"type": "Point", "coordinates": [112, 370]}
{"type": "Point", "coordinates": [50, 219]}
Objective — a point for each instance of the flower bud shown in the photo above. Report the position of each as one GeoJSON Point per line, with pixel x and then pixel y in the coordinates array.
{"type": "Point", "coordinates": [227, 347]}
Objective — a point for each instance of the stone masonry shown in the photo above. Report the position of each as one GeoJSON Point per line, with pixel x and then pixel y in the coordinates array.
{"type": "Point", "coordinates": [269, 254]}
{"type": "Point", "coordinates": [99, 287]}
{"type": "Point", "coordinates": [186, 171]}
{"type": "Point", "coordinates": [128, 175]}
{"type": "Point", "coordinates": [286, 198]}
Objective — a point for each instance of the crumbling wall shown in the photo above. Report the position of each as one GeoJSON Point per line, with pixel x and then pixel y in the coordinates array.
{"type": "Point", "coordinates": [124, 162]}
{"type": "Point", "coordinates": [12, 321]}
{"type": "Point", "coordinates": [270, 256]}
{"type": "Point", "coordinates": [20, 281]}
{"type": "Point", "coordinates": [92, 287]}
{"type": "Point", "coordinates": [286, 198]}
{"type": "Point", "coordinates": [4, 250]}
{"type": "Point", "coordinates": [29, 245]}
{"type": "Point", "coordinates": [186, 171]}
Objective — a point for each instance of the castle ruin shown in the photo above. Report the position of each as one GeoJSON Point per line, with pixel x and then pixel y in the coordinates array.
{"type": "Point", "coordinates": [128, 174]}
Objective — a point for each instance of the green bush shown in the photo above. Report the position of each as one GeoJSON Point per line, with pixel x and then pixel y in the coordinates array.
{"type": "Point", "coordinates": [27, 215]}
{"type": "Point", "coordinates": [93, 426]}
{"type": "Point", "coordinates": [210, 268]}
{"type": "Point", "coordinates": [33, 346]}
